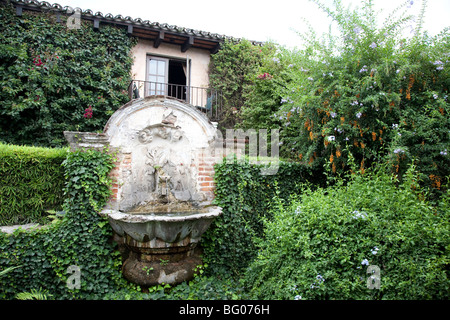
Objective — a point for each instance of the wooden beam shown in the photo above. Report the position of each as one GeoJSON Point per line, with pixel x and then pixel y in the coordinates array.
{"type": "Point", "coordinates": [158, 39]}
{"type": "Point", "coordinates": [215, 49]}
{"type": "Point", "coordinates": [187, 44]}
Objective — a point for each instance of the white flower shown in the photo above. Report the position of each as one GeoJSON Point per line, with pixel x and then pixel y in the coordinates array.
{"type": "Point", "coordinates": [357, 30]}
{"type": "Point", "coordinates": [298, 297]}
{"type": "Point", "coordinates": [365, 262]}
{"type": "Point", "coordinates": [331, 138]}
{"type": "Point", "coordinates": [358, 115]}
{"type": "Point", "coordinates": [373, 45]}
{"type": "Point", "coordinates": [357, 214]}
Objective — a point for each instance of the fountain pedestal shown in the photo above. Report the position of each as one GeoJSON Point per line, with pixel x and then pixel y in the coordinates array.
{"type": "Point", "coordinates": [152, 268]}
{"type": "Point", "coordinates": [161, 247]}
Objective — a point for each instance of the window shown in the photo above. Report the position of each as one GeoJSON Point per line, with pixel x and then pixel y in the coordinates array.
{"type": "Point", "coordinates": [167, 76]}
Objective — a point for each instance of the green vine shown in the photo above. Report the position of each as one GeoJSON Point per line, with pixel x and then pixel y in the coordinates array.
{"type": "Point", "coordinates": [81, 238]}
{"type": "Point", "coordinates": [54, 79]}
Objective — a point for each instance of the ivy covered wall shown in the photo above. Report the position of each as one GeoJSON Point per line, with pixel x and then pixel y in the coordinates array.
{"type": "Point", "coordinates": [53, 78]}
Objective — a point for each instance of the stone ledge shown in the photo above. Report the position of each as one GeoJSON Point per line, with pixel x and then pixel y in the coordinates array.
{"type": "Point", "coordinates": [11, 229]}
{"type": "Point", "coordinates": [86, 140]}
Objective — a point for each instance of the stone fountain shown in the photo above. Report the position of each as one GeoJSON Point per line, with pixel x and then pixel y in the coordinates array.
{"type": "Point", "coordinates": [162, 186]}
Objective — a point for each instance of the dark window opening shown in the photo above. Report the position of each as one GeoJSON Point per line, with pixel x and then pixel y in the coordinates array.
{"type": "Point", "coordinates": [177, 79]}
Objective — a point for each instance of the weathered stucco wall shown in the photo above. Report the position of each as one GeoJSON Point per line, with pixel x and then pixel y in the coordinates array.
{"type": "Point", "coordinates": [199, 60]}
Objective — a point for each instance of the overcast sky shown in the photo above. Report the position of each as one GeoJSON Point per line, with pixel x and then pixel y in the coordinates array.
{"type": "Point", "coordinates": [260, 20]}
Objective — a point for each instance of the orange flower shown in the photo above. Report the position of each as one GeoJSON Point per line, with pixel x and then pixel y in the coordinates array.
{"type": "Point", "coordinates": [374, 136]}
{"type": "Point", "coordinates": [338, 153]}
{"type": "Point", "coordinates": [331, 158]}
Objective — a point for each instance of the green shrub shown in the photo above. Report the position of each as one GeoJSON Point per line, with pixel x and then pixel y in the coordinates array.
{"type": "Point", "coordinates": [230, 71]}
{"type": "Point", "coordinates": [246, 196]}
{"type": "Point", "coordinates": [319, 245]}
{"type": "Point", "coordinates": [55, 79]}
{"type": "Point", "coordinates": [365, 89]}
{"type": "Point", "coordinates": [372, 92]}
{"type": "Point", "coordinates": [31, 182]}
{"type": "Point", "coordinates": [81, 238]}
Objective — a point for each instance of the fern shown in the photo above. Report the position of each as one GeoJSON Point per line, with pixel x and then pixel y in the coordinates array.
{"type": "Point", "coordinates": [7, 270]}
{"type": "Point", "coordinates": [34, 295]}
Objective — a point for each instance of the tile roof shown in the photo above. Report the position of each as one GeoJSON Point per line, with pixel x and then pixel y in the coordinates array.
{"type": "Point", "coordinates": [155, 31]}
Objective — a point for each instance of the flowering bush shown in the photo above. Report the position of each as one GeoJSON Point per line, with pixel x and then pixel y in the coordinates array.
{"type": "Point", "coordinates": [323, 243]}
{"type": "Point", "coordinates": [367, 92]}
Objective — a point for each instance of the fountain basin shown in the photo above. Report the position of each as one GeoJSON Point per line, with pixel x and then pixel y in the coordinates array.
{"type": "Point", "coordinates": [170, 227]}
{"type": "Point", "coordinates": [160, 246]}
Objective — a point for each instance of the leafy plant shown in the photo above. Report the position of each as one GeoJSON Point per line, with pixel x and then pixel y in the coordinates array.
{"type": "Point", "coordinates": [371, 92]}
{"type": "Point", "coordinates": [80, 238]}
{"type": "Point", "coordinates": [55, 79]}
{"type": "Point", "coordinates": [246, 197]}
{"type": "Point", "coordinates": [320, 244]}
{"type": "Point", "coordinates": [34, 295]}
{"type": "Point", "coordinates": [230, 72]}
{"type": "Point", "coordinates": [31, 182]}
{"type": "Point", "coordinates": [9, 269]}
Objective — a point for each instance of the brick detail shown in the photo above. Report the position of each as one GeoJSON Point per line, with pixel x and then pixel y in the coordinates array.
{"type": "Point", "coordinates": [205, 173]}
{"type": "Point", "coordinates": [122, 164]}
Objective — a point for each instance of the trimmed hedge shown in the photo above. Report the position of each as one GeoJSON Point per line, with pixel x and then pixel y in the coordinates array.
{"type": "Point", "coordinates": [31, 182]}
{"type": "Point", "coordinates": [246, 198]}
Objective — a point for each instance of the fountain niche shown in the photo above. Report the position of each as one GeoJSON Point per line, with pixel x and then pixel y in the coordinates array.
{"type": "Point", "coordinates": [162, 191]}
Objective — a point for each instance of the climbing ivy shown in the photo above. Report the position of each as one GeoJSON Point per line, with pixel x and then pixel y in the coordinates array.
{"type": "Point", "coordinates": [245, 196]}
{"type": "Point", "coordinates": [82, 239]}
{"type": "Point", "coordinates": [53, 78]}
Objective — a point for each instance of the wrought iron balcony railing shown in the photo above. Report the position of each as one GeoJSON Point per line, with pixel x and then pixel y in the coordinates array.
{"type": "Point", "coordinates": [206, 100]}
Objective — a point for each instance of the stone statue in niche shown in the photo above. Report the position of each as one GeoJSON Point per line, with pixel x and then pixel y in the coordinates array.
{"type": "Point", "coordinates": [166, 157]}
